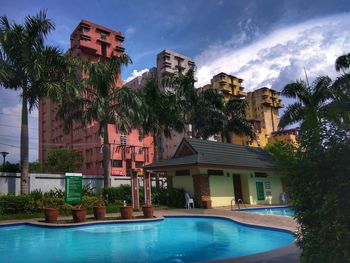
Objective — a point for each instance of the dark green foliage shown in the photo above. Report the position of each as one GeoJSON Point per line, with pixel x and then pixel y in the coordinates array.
{"type": "Point", "coordinates": [318, 172]}
{"type": "Point", "coordinates": [63, 160]}
{"type": "Point", "coordinates": [120, 193]}
{"type": "Point", "coordinates": [10, 204]}
{"type": "Point", "coordinates": [172, 197]}
{"type": "Point", "coordinates": [10, 167]}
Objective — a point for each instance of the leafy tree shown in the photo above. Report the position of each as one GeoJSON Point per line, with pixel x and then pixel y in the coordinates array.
{"type": "Point", "coordinates": [318, 171]}
{"type": "Point", "coordinates": [161, 113]}
{"type": "Point", "coordinates": [63, 160]}
{"type": "Point", "coordinates": [10, 167]}
{"type": "Point", "coordinates": [108, 103]}
{"type": "Point", "coordinates": [33, 68]}
{"type": "Point", "coordinates": [35, 167]}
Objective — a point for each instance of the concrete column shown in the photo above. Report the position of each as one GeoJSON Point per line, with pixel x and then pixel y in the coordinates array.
{"type": "Point", "coordinates": [201, 189]}
{"type": "Point", "coordinates": [147, 188]}
{"type": "Point", "coordinates": [135, 190]}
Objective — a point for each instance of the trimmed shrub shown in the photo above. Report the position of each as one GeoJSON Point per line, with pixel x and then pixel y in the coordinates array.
{"type": "Point", "coordinates": [171, 197]}
{"type": "Point", "coordinates": [91, 201]}
{"type": "Point", "coordinates": [120, 193]}
{"type": "Point", "coordinates": [11, 204]}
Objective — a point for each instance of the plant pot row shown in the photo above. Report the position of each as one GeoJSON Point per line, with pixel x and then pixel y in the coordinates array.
{"type": "Point", "coordinates": [79, 214]}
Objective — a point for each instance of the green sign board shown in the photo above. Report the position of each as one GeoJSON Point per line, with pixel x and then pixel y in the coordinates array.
{"type": "Point", "coordinates": [73, 188]}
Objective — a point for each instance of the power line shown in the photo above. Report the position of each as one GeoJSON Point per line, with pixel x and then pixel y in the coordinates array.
{"type": "Point", "coordinates": [17, 115]}
{"type": "Point", "coordinates": [11, 126]}
{"type": "Point", "coordinates": [18, 137]}
{"type": "Point", "coordinates": [10, 145]}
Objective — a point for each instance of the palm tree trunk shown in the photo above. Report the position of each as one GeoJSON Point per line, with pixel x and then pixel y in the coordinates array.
{"type": "Point", "coordinates": [24, 146]}
{"type": "Point", "coordinates": [156, 156]}
{"type": "Point", "coordinates": [106, 157]}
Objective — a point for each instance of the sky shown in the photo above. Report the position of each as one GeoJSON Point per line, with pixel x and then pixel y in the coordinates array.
{"type": "Point", "coordinates": [267, 43]}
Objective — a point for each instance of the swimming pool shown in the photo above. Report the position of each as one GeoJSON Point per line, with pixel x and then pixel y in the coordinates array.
{"type": "Point", "coordinates": [281, 211]}
{"type": "Point", "coordinates": [184, 239]}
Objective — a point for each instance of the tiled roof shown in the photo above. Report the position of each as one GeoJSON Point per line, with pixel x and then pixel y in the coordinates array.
{"type": "Point", "coordinates": [218, 154]}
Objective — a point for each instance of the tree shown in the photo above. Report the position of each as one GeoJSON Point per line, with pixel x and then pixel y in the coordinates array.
{"type": "Point", "coordinates": [161, 113]}
{"type": "Point", "coordinates": [309, 108]}
{"type": "Point", "coordinates": [234, 121]}
{"type": "Point", "coordinates": [343, 63]}
{"type": "Point", "coordinates": [63, 160]}
{"type": "Point", "coordinates": [28, 65]}
{"type": "Point", "coordinates": [107, 103]}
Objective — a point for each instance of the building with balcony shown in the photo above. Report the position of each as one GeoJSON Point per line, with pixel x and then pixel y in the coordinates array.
{"type": "Point", "coordinates": [93, 42]}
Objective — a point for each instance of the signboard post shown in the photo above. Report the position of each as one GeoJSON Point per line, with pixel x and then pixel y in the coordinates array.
{"type": "Point", "coordinates": [73, 188]}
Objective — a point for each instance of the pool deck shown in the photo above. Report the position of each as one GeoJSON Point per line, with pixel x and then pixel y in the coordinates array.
{"type": "Point", "coordinates": [288, 254]}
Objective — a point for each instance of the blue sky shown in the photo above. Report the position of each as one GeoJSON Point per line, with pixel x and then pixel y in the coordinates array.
{"type": "Point", "coordinates": [267, 43]}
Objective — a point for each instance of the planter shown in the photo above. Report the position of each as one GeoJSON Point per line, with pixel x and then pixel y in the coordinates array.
{"type": "Point", "coordinates": [126, 212]}
{"type": "Point", "coordinates": [51, 215]}
{"type": "Point", "coordinates": [79, 215]}
{"type": "Point", "coordinates": [148, 211]}
{"type": "Point", "coordinates": [99, 212]}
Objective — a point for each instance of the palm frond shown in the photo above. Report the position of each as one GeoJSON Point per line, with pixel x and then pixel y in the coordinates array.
{"type": "Point", "coordinates": [293, 114]}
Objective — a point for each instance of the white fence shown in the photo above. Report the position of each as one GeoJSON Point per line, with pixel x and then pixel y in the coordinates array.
{"type": "Point", "coordinates": [10, 182]}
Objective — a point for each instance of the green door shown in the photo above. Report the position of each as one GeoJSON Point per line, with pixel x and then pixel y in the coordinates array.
{"type": "Point", "coordinates": [260, 191]}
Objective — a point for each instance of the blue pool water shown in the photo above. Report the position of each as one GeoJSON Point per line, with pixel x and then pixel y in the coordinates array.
{"type": "Point", "coordinates": [185, 239]}
{"type": "Point", "coordinates": [281, 211]}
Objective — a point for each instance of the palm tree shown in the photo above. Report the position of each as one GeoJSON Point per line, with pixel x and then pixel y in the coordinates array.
{"type": "Point", "coordinates": [309, 109]}
{"type": "Point", "coordinates": [108, 103]}
{"type": "Point", "coordinates": [343, 63]}
{"type": "Point", "coordinates": [28, 65]}
{"type": "Point", "coordinates": [161, 113]}
{"type": "Point", "coordinates": [234, 121]}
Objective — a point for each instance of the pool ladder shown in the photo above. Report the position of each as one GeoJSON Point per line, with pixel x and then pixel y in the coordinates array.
{"type": "Point", "coordinates": [237, 203]}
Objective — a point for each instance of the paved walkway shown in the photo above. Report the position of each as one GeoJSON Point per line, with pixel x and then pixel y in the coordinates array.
{"type": "Point", "coordinates": [286, 254]}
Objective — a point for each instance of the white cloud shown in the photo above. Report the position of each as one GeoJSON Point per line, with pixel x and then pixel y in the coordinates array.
{"type": "Point", "coordinates": [280, 57]}
{"type": "Point", "coordinates": [135, 73]}
{"type": "Point", "coordinates": [130, 30]}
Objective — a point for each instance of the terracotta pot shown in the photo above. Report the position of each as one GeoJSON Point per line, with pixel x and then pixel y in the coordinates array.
{"type": "Point", "coordinates": [126, 212]}
{"type": "Point", "coordinates": [99, 212]}
{"type": "Point", "coordinates": [79, 215]}
{"type": "Point", "coordinates": [51, 215]}
{"type": "Point", "coordinates": [148, 211]}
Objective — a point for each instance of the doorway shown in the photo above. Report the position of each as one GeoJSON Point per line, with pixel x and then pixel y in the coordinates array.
{"type": "Point", "coordinates": [260, 192]}
{"type": "Point", "coordinates": [237, 187]}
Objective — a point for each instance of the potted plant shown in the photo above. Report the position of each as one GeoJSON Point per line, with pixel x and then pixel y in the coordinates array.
{"type": "Point", "coordinates": [126, 211]}
{"type": "Point", "coordinates": [51, 215]}
{"type": "Point", "coordinates": [99, 209]}
{"type": "Point", "coordinates": [148, 211]}
{"type": "Point", "coordinates": [79, 214]}
{"type": "Point", "coordinates": [51, 208]}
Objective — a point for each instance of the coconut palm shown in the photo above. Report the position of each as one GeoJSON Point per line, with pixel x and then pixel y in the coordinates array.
{"type": "Point", "coordinates": [343, 63]}
{"type": "Point", "coordinates": [234, 121]}
{"type": "Point", "coordinates": [108, 103]}
{"type": "Point", "coordinates": [309, 108]}
{"type": "Point", "coordinates": [161, 113]}
{"type": "Point", "coordinates": [31, 67]}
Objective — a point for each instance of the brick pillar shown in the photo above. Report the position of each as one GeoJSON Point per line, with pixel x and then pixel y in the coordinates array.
{"type": "Point", "coordinates": [147, 188]}
{"type": "Point", "coordinates": [202, 190]}
{"type": "Point", "coordinates": [135, 190]}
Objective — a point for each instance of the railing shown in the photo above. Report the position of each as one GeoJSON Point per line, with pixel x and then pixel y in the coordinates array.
{"type": "Point", "coordinates": [239, 201]}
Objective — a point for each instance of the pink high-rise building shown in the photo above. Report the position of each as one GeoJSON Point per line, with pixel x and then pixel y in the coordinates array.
{"type": "Point", "coordinates": [92, 42]}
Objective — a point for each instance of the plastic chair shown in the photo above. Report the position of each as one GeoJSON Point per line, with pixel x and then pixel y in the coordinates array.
{"type": "Point", "coordinates": [189, 201]}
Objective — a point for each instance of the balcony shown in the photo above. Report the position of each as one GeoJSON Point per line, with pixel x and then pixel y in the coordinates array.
{"type": "Point", "coordinates": [119, 38]}
{"type": "Point", "coordinates": [119, 49]}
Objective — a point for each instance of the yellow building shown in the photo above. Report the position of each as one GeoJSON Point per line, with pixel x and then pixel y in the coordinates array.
{"type": "Point", "coordinates": [219, 174]}
{"type": "Point", "coordinates": [262, 107]}
{"type": "Point", "coordinates": [289, 136]}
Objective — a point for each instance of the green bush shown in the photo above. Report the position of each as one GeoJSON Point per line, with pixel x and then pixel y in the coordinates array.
{"type": "Point", "coordinates": [91, 201]}
{"type": "Point", "coordinates": [11, 204]}
{"type": "Point", "coordinates": [172, 197]}
{"type": "Point", "coordinates": [115, 194]}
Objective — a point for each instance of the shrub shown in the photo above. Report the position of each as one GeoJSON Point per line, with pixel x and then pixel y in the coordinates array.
{"type": "Point", "coordinates": [11, 204]}
{"type": "Point", "coordinates": [172, 197]}
{"type": "Point", "coordinates": [90, 201]}
{"type": "Point", "coordinates": [120, 193]}
{"type": "Point", "coordinates": [36, 194]}
{"type": "Point", "coordinates": [55, 193]}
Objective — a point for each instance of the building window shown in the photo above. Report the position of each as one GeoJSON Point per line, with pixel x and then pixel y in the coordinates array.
{"type": "Point", "coordinates": [103, 36]}
{"type": "Point", "coordinates": [117, 163]}
{"type": "Point", "coordinates": [182, 172]}
{"type": "Point", "coordinates": [215, 172]}
{"type": "Point", "coordinates": [122, 139]}
{"type": "Point", "coordinates": [138, 164]}
{"type": "Point", "coordinates": [84, 29]}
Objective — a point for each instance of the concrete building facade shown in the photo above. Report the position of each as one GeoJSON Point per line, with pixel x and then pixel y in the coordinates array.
{"type": "Point", "coordinates": [93, 42]}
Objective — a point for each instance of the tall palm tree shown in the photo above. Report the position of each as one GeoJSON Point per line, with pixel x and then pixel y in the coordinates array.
{"type": "Point", "coordinates": [161, 113]}
{"type": "Point", "coordinates": [108, 103]}
{"type": "Point", "coordinates": [28, 65]}
{"type": "Point", "coordinates": [309, 108]}
{"type": "Point", "coordinates": [342, 63]}
{"type": "Point", "coordinates": [234, 121]}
